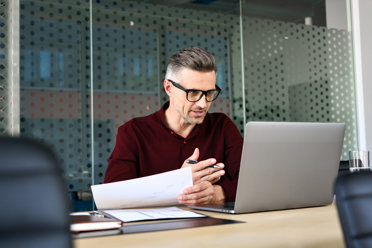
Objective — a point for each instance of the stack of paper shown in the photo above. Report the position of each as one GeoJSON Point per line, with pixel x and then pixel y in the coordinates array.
{"type": "Point", "coordinates": [151, 191]}
{"type": "Point", "coordinates": [130, 200]}
{"type": "Point", "coordinates": [129, 215]}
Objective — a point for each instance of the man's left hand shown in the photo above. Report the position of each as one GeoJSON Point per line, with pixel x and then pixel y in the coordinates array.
{"type": "Point", "coordinates": [202, 193]}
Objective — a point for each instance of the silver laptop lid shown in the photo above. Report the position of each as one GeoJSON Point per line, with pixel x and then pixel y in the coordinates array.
{"type": "Point", "coordinates": [288, 165]}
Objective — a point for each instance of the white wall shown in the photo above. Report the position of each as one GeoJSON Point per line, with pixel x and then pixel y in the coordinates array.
{"type": "Point", "coordinates": [336, 14]}
{"type": "Point", "coordinates": [362, 36]}
{"type": "Point", "coordinates": [366, 41]}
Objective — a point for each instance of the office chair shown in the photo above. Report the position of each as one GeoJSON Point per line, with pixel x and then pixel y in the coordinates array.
{"type": "Point", "coordinates": [354, 204]}
{"type": "Point", "coordinates": [344, 167]}
{"type": "Point", "coordinates": [34, 208]}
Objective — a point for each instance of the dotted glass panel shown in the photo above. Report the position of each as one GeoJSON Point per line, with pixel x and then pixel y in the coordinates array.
{"type": "Point", "coordinates": [296, 72]}
{"type": "Point", "coordinates": [124, 58]}
{"type": "Point", "coordinates": [68, 146]}
{"type": "Point", "coordinates": [55, 83]}
{"type": "Point", "coordinates": [3, 67]}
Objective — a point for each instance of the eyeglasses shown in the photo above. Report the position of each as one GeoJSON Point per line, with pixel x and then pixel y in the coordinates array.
{"type": "Point", "coordinates": [193, 95]}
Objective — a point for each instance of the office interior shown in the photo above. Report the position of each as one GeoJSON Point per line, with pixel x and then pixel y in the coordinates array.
{"type": "Point", "coordinates": [73, 71]}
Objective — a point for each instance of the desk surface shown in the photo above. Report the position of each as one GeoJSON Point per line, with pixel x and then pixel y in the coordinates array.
{"type": "Point", "coordinates": [307, 227]}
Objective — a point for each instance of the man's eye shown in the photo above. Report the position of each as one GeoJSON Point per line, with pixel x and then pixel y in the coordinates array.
{"type": "Point", "coordinates": [194, 92]}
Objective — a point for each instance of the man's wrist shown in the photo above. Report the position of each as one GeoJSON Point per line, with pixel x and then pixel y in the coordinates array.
{"type": "Point", "coordinates": [219, 194]}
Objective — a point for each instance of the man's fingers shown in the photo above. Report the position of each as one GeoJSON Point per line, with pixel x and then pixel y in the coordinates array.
{"type": "Point", "coordinates": [209, 174]}
{"type": "Point", "coordinates": [201, 167]}
{"type": "Point", "coordinates": [201, 193]}
{"type": "Point", "coordinates": [198, 201]}
{"type": "Point", "coordinates": [197, 188]}
{"type": "Point", "coordinates": [192, 160]}
{"type": "Point", "coordinates": [195, 155]}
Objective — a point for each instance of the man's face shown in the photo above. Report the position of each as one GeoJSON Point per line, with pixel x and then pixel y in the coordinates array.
{"type": "Point", "coordinates": [192, 112]}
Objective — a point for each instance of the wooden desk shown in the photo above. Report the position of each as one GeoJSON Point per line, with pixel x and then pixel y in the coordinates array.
{"type": "Point", "coordinates": [307, 227]}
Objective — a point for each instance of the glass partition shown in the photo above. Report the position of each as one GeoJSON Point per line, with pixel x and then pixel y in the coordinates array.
{"type": "Point", "coordinates": [296, 68]}
{"type": "Point", "coordinates": [4, 65]}
{"type": "Point", "coordinates": [55, 85]}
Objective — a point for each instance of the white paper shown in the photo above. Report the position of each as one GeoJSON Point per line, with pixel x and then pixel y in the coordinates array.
{"type": "Point", "coordinates": [151, 191]}
{"type": "Point", "coordinates": [129, 215]}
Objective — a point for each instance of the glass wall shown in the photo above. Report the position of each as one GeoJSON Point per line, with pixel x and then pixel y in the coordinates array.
{"type": "Point", "coordinates": [88, 66]}
{"type": "Point", "coordinates": [4, 65]}
{"type": "Point", "coordinates": [296, 68]}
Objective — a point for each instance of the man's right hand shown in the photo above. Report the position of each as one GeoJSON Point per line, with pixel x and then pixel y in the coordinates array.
{"type": "Point", "coordinates": [202, 171]}
{"type": "Point", "coordinates": [204, 190]}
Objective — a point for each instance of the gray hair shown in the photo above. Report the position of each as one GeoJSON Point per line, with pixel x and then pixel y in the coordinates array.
{"type": "Point", "coordinates": [194, 58]}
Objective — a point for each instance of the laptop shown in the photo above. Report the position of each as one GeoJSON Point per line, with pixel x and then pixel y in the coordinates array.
{"type": "Point", "coordinates": [286, 165]}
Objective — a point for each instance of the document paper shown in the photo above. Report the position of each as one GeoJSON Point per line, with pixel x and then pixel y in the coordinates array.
{"type": "Point", "coordinates": [129, 215]}
{"type": "Point", "coordinates": [151, 191]}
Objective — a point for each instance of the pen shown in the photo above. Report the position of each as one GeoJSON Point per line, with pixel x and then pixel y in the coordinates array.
{"type": "Point", "coordinates": [190, 161]}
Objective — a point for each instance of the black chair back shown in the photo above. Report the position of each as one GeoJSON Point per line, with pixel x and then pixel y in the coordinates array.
{"type": "Point", "coordinates": [34, 208]}
{"type": "Point", "coordinates": [354, 204]}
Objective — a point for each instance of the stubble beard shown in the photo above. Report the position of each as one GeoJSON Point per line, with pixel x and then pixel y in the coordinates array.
{"type": "Point", "coordinates": [194, 120]}
{"type": "Point", "coordinates": [191, 120]}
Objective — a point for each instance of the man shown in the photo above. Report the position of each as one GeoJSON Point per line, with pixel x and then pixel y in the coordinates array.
{"type": "Point", "coordinates": [183, 130]}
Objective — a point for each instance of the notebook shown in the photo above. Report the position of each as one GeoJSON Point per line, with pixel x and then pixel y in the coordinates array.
{"type": "Point", "coordinates": [286, 165]}
{"type": "Point", "coordinates": [85, 223]}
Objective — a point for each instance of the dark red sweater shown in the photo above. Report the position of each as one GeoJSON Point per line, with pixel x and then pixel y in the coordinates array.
{"type": "Point", "coordinates": [146, 146]}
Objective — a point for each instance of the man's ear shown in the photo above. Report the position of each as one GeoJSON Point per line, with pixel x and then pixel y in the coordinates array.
{"type": "Point", "coordinates": [167, 87]}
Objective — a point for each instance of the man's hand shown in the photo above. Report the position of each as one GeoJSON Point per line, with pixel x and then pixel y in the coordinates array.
{"type": "Point", "coordinates": [202, 170]}
{"type": "Point", "coordinates": [203, 191]}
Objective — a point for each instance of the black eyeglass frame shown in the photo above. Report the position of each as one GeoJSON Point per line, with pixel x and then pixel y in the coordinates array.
{"type": "Point", "coordinates": [204, 92]}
